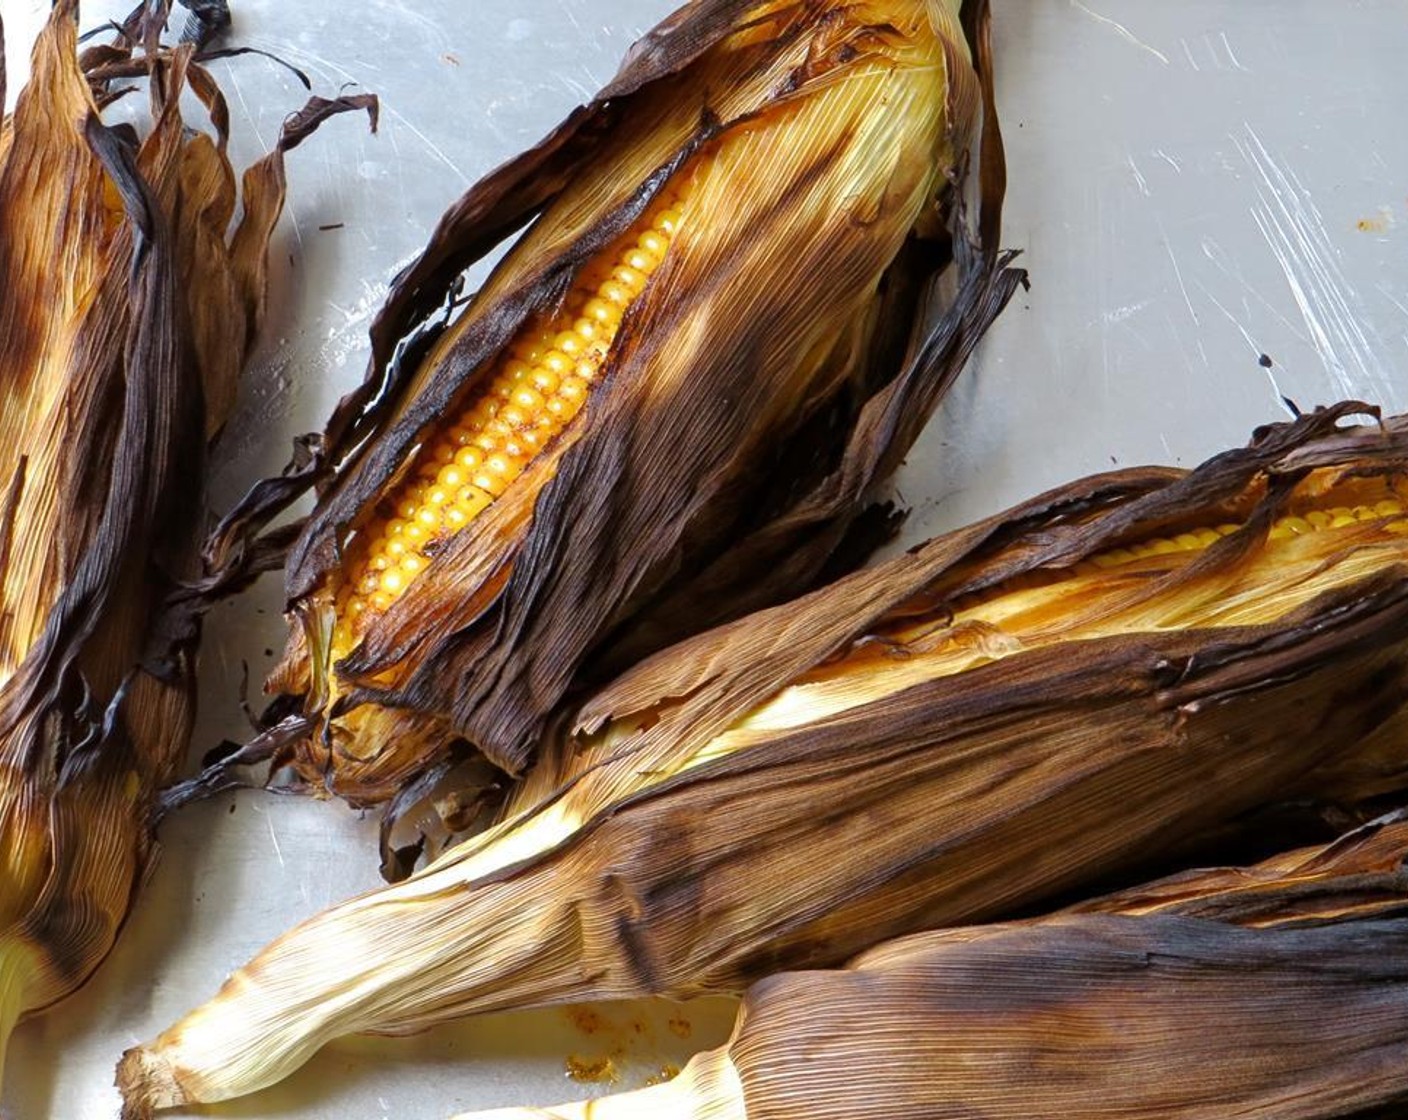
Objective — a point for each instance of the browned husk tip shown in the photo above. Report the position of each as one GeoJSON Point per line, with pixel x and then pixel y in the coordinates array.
{"type": "Point", "coordinates": [147, 1084]}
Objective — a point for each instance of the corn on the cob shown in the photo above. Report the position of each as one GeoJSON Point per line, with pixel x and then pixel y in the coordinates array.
{"type": "Point", "coordinates": [1302, 1014]}
{"type": "Point", "coordinates": [672, 400]}
{"type": "Point", "coordinates": [127, 313]}
{"type": "Point", "coordinates": [1007, 713]}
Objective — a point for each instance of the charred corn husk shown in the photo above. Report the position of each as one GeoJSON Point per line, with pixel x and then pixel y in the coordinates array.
{"type": "Point", "coordinates": [1009, 712]}
{"type": "Point", "coordinates": [127, 310]}
{"type": "Point", "coordinates": [1302, 1015]}
{"type": "Point", "coordinates": [673, 399]}
{"type": "Point", "coordinates": [1361, 876]}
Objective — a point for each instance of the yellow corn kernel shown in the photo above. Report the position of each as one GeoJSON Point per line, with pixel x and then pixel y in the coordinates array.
{"type": "Point", "coordinates": [603, 314]}
{"type": "Point", "coordinates": [569, 343]}
{"type": "Point", "coordinates": [1291, 526]}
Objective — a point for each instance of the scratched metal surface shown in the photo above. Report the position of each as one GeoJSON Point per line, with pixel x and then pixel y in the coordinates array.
{"type": "Point", "coordinates": [1195, 185]}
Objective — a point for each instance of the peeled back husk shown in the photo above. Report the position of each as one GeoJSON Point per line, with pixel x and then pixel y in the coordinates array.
{"type": "Point", "coordinates": [127, 311]}
{"type": "Point", "coordinates": [750, 276]}
{"type": "Point", "coordinates": [1274, 991]}
{"type": "Point", "coordinates": [1008, 713]}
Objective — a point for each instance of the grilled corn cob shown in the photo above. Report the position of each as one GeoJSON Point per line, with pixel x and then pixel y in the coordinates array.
{"type": "Point", "coordinates": [1300, 1015]}
{"type": "Point", "coordinates": [1008, 712]}
{"type": "Point", "coordinates": [671, 400]}
{"type": "Point", "coordinates": [125, 320]}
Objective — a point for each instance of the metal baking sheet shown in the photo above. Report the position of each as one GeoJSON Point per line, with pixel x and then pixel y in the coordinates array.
{"type": "Point", "coordinates": [1213, 202]}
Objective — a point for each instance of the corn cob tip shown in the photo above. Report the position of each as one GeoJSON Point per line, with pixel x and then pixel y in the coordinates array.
{"type": "Point", "coordinates": [147, 1082]}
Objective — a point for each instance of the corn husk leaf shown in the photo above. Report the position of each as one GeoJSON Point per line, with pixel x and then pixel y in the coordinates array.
{"type": "Point", "coordinates": [1279, 990]}
{"type": "Point", "coordinates": [127, 310]}
{"type": "Point", "coordinates": [991, 721]}
{"type": "Point", "coordinates": [830, 279]}
{"type": "Point", "coordinates": [1363, 875]}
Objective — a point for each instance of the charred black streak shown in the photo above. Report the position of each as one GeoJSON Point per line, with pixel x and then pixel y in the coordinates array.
{"type": "Point", "coordinates": [632, 932]}
{"type": "Point", "coordinates": [1169, 673]}
{"type": "Point", "coordinates": [636, 951]}
{"type": "Point", "coordinates": [1383, 694]}
{"type": "Point", "coordinates": [68, 927]}
{"type": "Point", "coordinates": [790, 84]}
